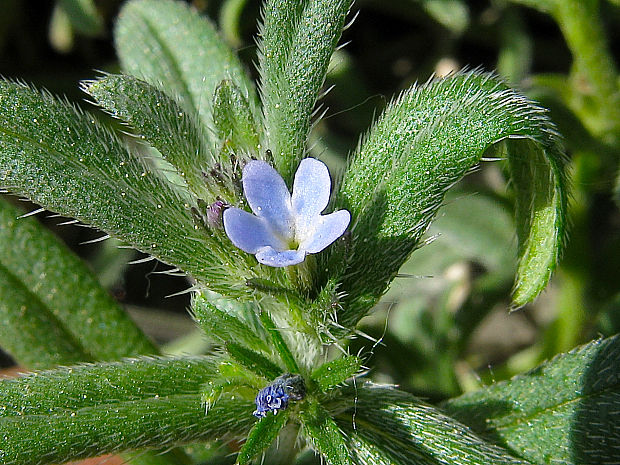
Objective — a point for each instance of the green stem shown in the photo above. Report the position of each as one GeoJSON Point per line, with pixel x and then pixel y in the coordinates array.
{"type": "Point", "coordinates": [581, 25]}
{"type": "Point", "coordinates": [594, 74]}
{"type": "Point", "coordinates": [301, 275]}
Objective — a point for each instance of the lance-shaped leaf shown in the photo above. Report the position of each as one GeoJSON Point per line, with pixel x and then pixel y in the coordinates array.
{"type": "Point", "coordinates": [83, 411]}
{"type": "Point", "coordinates": [324, 434]}
{"type": "Point", "coordinates": [64, 160]}
{"type": "Point", "coordinates": [180, 52]}
{"type": "Point", "coordinates": [224, 326]}
{"type": "Point", "coordinates": [160, 120]}
{"type": "Point", "coordinates": [298, 39]}
{"type": "Point", "coordinates": [54, 312]}
{"type": "Point", "coordinates": [279, 343]}
{"type": "Point", "coordinates": [335, 372]}
{"type": "Point", "coordinates": [425, 142]}
{"type": "Point", "coordinates": [58, 291]}
{"type": "Point", "coordinates": [390, 427]}
{"type": "Point", "coordinates": [564, 411]}
{"type": "Point", "coordinates": [264, 432]}
{"type": "Point", "coordinates": [233, 118]}
{"type": "Point", "coordinates": [253, 361]}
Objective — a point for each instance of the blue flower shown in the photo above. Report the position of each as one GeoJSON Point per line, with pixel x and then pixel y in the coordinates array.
{"type": "Point", "coordinates": [284, 227]}
{"type": "Point", "coordinates": [275, 396]}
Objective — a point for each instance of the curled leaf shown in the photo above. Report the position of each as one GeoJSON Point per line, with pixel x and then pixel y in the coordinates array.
{"type": "Point", "coordinates": [424, 143]}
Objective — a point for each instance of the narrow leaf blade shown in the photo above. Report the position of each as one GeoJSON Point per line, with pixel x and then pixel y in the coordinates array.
{"type": "Point", "coordinates": [233, 119]}
{"type": "Point", "coordinates": [64, 160]}
{"type": "Point", "coordinates": [279, 343]}
{"type": "Point", "coordinates": [540, 211]}
{"type": "Point", "coordinates": [253, 361]}
{"type": "Point", "coordinates": [262, 434]}
{"type": "Point", "coordinates": [169, 33]}
{"type": "Point", "coordinates": [160, 120]}
{"type": "Point", "coordinates": [324, 434]}
{"type": "Point", "coordinates": [337, 371]}
{"type": "Point", "coordinates": [298, 39]}
{"type": "Point", "coordinates": [224, 326]}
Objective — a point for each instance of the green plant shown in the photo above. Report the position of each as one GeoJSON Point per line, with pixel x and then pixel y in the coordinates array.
{"type": "Point", "coordinates": [198, 127]}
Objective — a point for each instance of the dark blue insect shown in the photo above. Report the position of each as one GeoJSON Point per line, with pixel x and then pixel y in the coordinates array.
{"type": "Point", "coordinates": [275, 396]}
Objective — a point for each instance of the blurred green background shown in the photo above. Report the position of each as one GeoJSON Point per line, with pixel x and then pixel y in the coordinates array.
{"type": "Point", "coordinates": [444, 327]}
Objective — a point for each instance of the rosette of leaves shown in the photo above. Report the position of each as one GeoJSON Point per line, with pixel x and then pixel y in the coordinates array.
{"type": "Point", "coordinates": [194, 119]}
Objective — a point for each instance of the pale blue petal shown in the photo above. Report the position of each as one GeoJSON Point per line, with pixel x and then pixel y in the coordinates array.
{"type": "Point", "coordinates": [270, 256]}
{"type": "Point", "coordinates": [268, 196]}
{"type": "Point", "coordinates": [248, 232]}
{"type": "Point", "coordinates": [326, 230]}
{"type": "Point", "coordinates": [311, 190]}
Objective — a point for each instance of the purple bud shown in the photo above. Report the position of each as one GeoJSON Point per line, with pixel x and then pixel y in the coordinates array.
{"type": "Point", "coordinates": [214, 214]}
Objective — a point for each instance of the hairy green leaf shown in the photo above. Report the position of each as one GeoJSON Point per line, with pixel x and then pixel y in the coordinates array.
{"type": "Point", "coordinates": [262, 434]}
{"type": "Point", "coordinates": [253, 361]}
{"type": "Point", "coordinates": [279, 343]}
{"type": "Point", "coordinates": [64, 160]}
{"type": "Point", "coordinates": [160, 120]}
{"type": "Point", "coordinates": [324, 434]}
{"type": "Point", "coordinates": [233, 119]}
{"type": "Point", "coordinates": [390, 427]}
{"type": "Point", "coordinates": [421, 146]}
{"type": "Point", "coordinates": [58, 290]}
{"type": "Point", "coordinates": [54, 312]}
{"type": "Point", "coordinates": [180, 52]}
{"type": "Point", "coordinates": [137, 378]}
{"type": "Point", "coordinates": [539, 218]}
{"type": "Point", "coordinates": [233, 380]}
{"type": "Point", "coordinates": [83, 411]}
{"type": "Point", "coordinates": [298, 39]}
{"type": "Point", "coordinates": [565, 411]}
{"type": "Point", "coordinates": [224, 326]}
{"type": "Point", "coordinates": [245, 311]}
{"type": "Point", "coordinates": [337, 371]}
